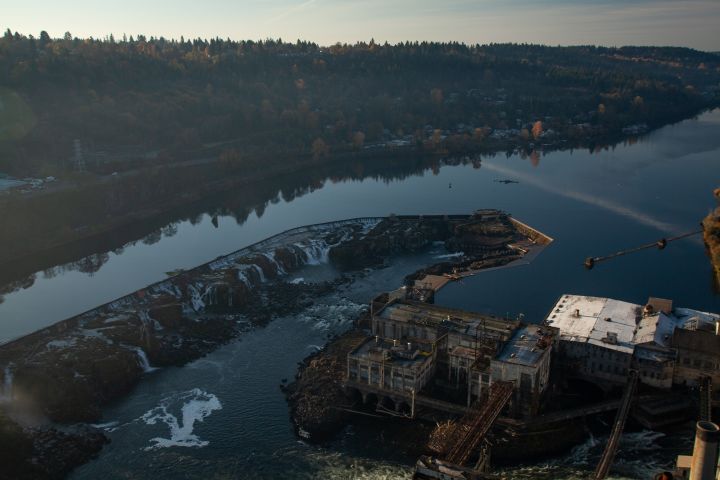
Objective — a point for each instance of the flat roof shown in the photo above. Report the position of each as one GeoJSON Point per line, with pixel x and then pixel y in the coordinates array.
{"type": "Point", "coordinates": [460, 351]}
{"type": "Point", "coordinates": [590, 320]}
{"type": "Point", "coordinates": [525, 348]}
{"type": "Point", "coordinates": [695, 319]}
{"type": "Point", "coordinates": [364, 350]}
{"type": "Point", "coordinates": [626, 320]}
{"type": "Point", "coordinates": [462, 321]}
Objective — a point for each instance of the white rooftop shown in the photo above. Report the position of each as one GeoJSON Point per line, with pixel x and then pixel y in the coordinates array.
{"type": "Point", "coordinates": [601, 321]}
{"type": "Point", "coordinates": [600, 316]}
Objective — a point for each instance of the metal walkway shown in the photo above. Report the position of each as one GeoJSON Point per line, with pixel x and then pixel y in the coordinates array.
{"type": "Point", "coordinates": [608, 455]}
{"type": "Point", "coordinates": [706, 399]}
{"type": "Point", "coordinates": [476, 424]}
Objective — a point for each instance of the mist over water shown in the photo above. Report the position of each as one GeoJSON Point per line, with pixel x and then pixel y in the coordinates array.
{"type": "Point", "coordinates": [225, 416]}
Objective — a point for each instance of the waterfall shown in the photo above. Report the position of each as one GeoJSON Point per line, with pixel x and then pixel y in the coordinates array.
{"type": "Point", "coordinates": [243, 278]}
{"type": "Point", "coordinates": [143, 360]}
{"type": "Point", "coordinates": [260, 272]}
{"type": "Point", "coordinates": [271, 257]}
{"type": "Point", "coordinates": [316, 251]}
{"type": "Point", "coordinates": [148, 323]}
{"type": "Point", "coordinates": [196, 298]}
{"type": "Point", "coordinates": [6, 392]}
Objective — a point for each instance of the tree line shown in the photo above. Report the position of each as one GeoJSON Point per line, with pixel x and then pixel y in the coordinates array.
{"type": "Point", "coordinates": [125, 103]}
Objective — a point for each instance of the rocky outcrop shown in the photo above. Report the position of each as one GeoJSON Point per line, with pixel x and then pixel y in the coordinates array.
{"type": "Point", "coordinates": [167, 311]}
{"type": "Point", "coordinates": [479, 235]}
{"type": "Point", "coordinates": [69, 371]}
{"type": "Point", "coordinates": [70, 378]}
{"type": "Point", "coordinates": [392, 235]}
{"type": "Point", "coordinates": [317, 392]}
{"type": "Point", "coordinates": [38, 454]}
{"type": "Point", "coordinates": [475, 235]}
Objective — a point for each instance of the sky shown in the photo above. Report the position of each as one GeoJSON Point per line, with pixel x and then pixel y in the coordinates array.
{"type": "Point", "coordinates": [687, 23]}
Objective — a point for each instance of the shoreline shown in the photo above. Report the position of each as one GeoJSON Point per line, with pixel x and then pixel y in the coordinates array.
{"type": "Point", "coordinates": [67, 372]}
{"type": "Point", "coordinates": [85, 241]}
{"type": "Point", "coordinates": [711, 237]}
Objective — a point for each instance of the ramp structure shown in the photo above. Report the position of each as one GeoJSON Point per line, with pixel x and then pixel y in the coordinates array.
{"type": "Point", "coordinates": [608, 455]}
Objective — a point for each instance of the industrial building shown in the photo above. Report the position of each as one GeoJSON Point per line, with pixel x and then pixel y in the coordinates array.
{"type": "Point", "coordinates": [414, 343]}
{"type": "Point", "coordinates": [602, 339]}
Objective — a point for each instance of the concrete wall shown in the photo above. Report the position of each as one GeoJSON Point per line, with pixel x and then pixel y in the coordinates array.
{"type": "Point", "coordinates": [390, 376]}
{"type": "Point", "coordinates": [397, 330]}
{"type": "Point", "coordinates": [593, 361]}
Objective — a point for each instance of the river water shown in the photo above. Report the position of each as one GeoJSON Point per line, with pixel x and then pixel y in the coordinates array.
{"type": "Point", "coordinates": [224, 416]}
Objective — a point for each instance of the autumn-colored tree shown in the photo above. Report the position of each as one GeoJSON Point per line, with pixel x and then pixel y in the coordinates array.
{"type": "Point", "coordinates": [601, 109]}
{"type": "Point", "coordinates": [229, 158]}
{"type": "Point", "coordinates": [358, 139]}
{"type": "Point", "coordinates": [319, 148]}
{"type": "Point", "coordinates": [537, 129]}
{"type": "Point", "coordinates": [478, 135]}
{"type": "Point", "coordinates": [436, 95]}
{"type": "Point", "coordinates": [525, 134]}
{"type": "Point", "coordinates": [534, 158]}
{"type": "Point", "coordinates": [436, 138]}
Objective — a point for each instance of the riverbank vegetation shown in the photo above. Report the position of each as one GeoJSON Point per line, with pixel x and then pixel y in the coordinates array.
{"type": "Point", "coordinates": [116, 104]}
{"type": "Point", "coordinates": [139, 127]}
{"type": "Point", "coordinates": [711, 228]}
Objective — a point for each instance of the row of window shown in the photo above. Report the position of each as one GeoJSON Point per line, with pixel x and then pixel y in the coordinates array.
{"type": "Point", "coordinates": [697, 363]}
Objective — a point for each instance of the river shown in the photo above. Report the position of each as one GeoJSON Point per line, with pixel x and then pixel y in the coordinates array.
{"type": "Point", "coordinates": [224, 416]}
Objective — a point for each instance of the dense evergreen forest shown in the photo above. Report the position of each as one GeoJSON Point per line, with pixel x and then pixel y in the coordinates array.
{"type": "Point", "coordinates": [121, 104]}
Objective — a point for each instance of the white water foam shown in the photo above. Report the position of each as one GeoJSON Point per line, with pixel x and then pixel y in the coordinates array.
{"type": "Point", "coordinates": [296, 281]}
{"type": "Point", "coordinates": [143, 360]}
{"type": "Point", "coordinates": [278, 268]}
{"type": "Point", "coordinates": [243, 278]}
{"type": "Point", "coordinates": [450, 255]}
{"type": "Point", "coordinates": [260, 272]}
{"type": "Point", "coordinates": [168, 288]}
{"type": "Point", "coordinates": [196, 406]}
{"type": "Point", "coordinates": [316, 251]}
{"type": "Point", "coordinates": [64, 343]}
{"type": "Point", "coordinates": [196, 298]}
{"type": "Point", "coordinates": [6, 393]}
{"type": "Point", "coordinates": [107, 426]}
{"type": "Point", "coordinates": [634, 459]}
{"type": "Point", "coordinates": [325, 317]}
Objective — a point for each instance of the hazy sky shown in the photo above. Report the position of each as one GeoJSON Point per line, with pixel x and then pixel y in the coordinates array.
{"type": "Point", "coordinates": [692, 23]}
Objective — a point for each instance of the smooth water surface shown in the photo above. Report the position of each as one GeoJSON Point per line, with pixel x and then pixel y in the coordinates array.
{"type": "Point", "coordinates": [591, 203]}
{"type": "Point", "coordinates": [224, 416]}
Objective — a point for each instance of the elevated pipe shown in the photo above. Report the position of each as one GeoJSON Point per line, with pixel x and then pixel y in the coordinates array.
{"type": "Point", "coordinates": [660, 244]}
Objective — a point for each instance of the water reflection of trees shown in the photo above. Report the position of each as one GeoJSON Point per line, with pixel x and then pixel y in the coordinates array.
{"type": "Point", "coordinates": [240, 204]}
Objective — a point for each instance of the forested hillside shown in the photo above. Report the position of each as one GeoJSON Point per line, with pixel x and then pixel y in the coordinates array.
{"type": "Point", "coordinates": [126, 103]}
